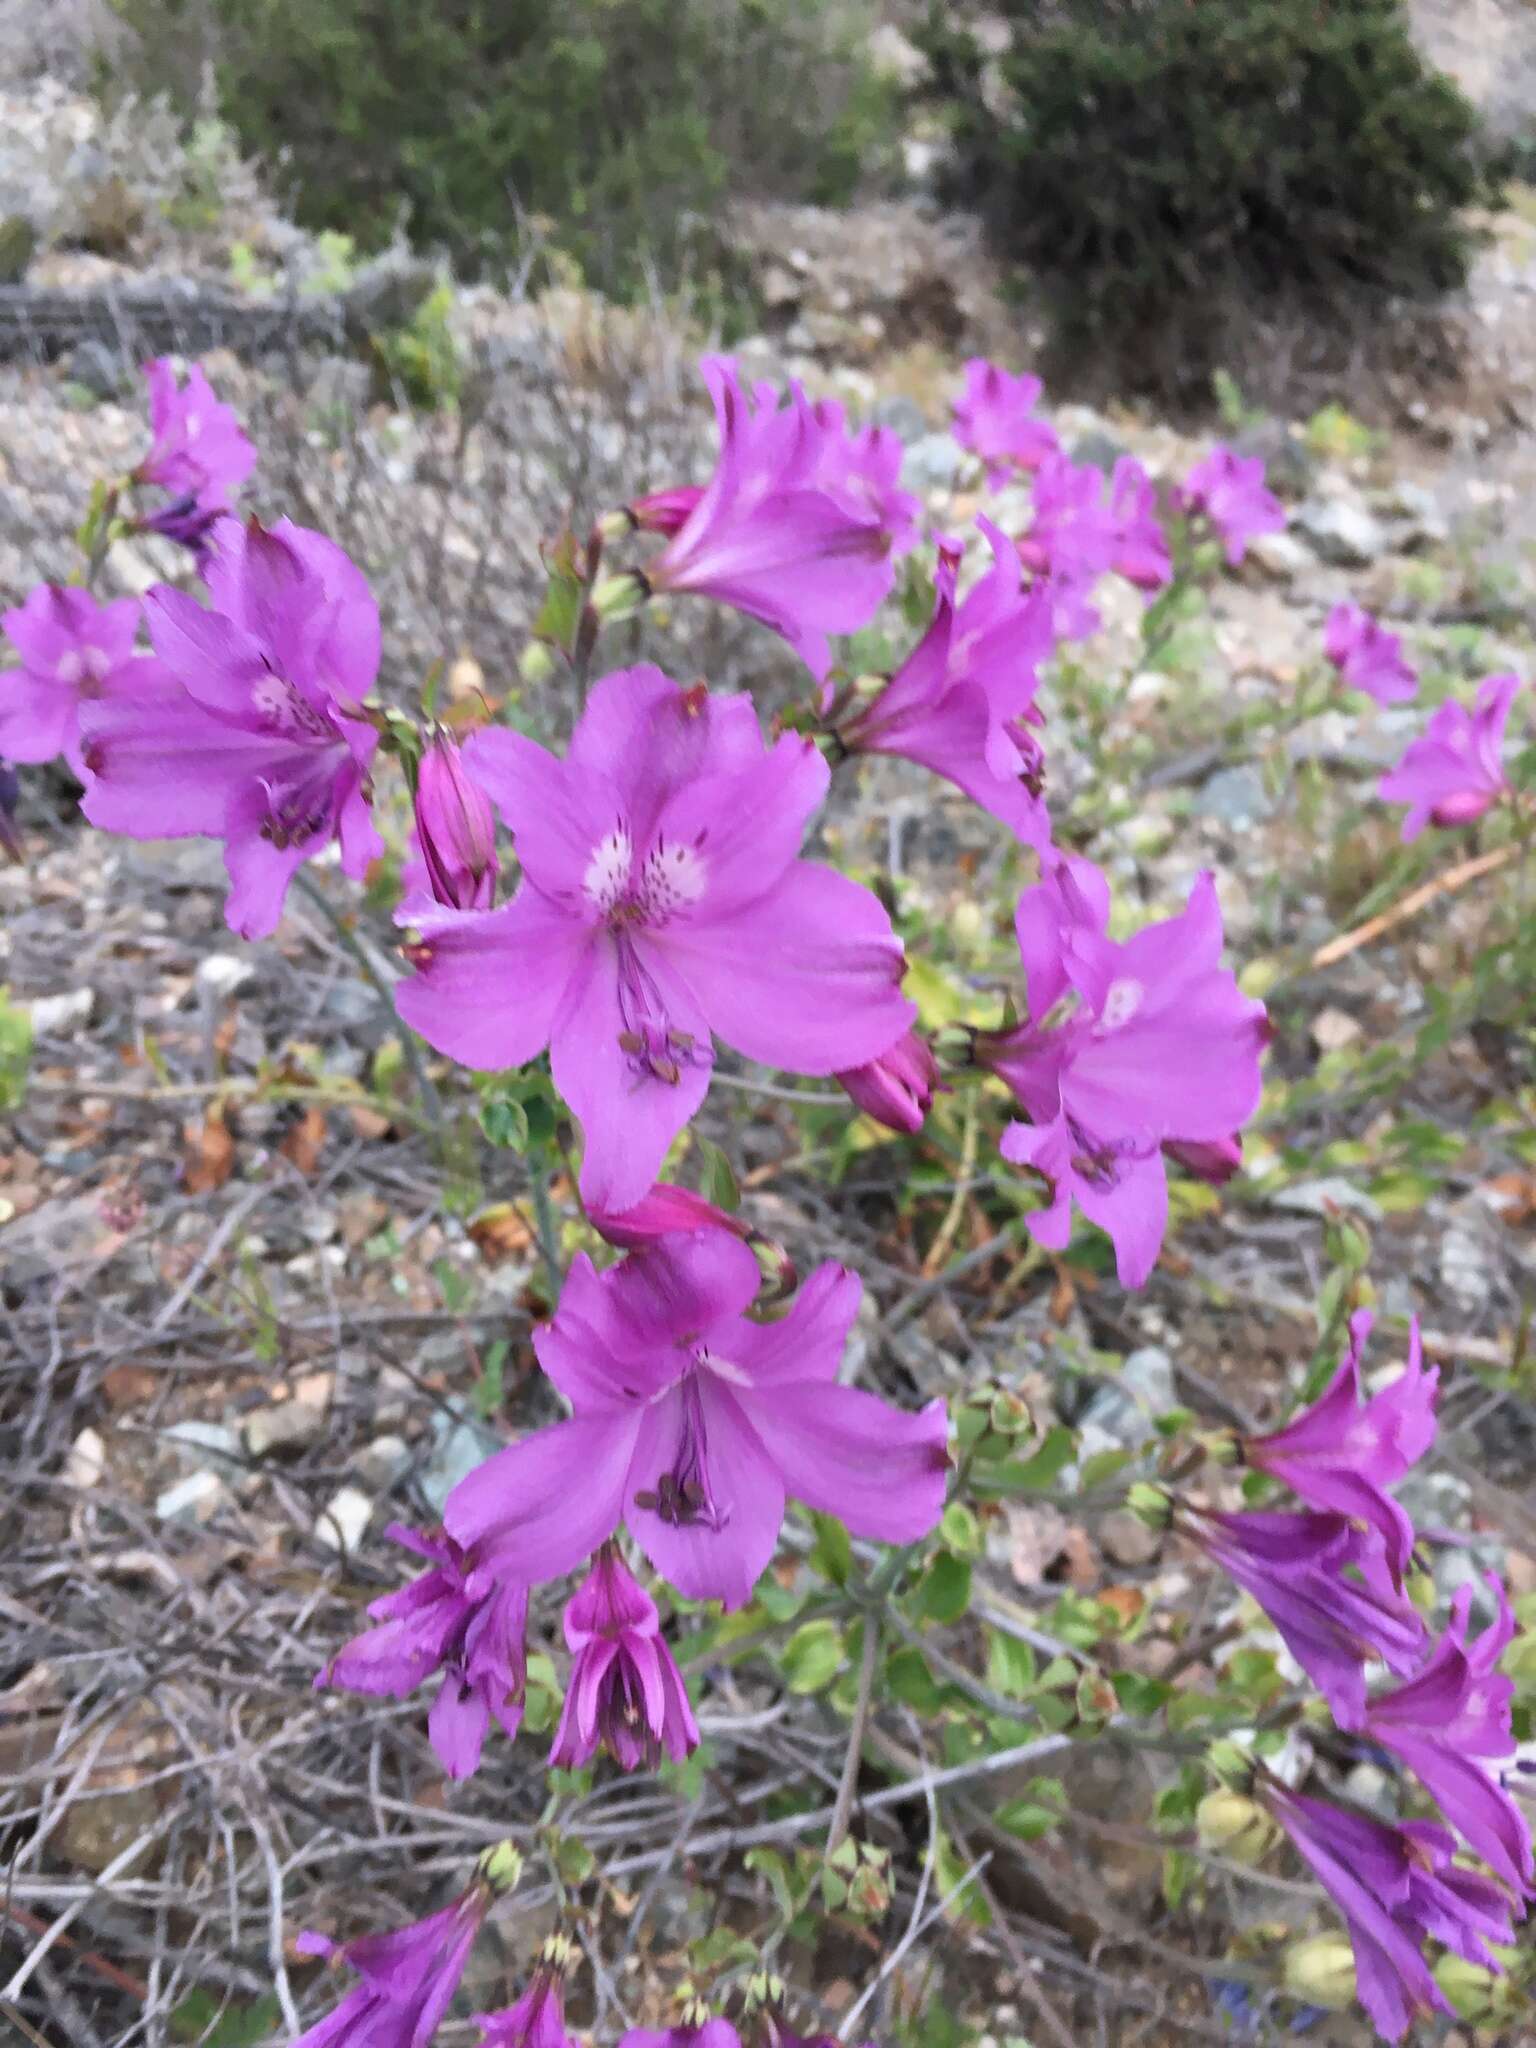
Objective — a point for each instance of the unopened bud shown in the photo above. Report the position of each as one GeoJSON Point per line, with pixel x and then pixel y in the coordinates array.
{"type": "Point", "coordinates": [502, 1866]}
{"type": "Point", "coordinates": [537, 663]}
{"type": "Point", "coordinates": [557, 1954]}
{"type": "Point", "coordinates": [1233, 1826]}
{"type": "Point", "coordinates": [1221, 1446]}
{"type": "Point", "coordinates": [763, 1988]}
{"type": "Point", "coordinates": [1151, 1505]}
{"type": "Point", "coordinates": [1230, 1766]}
{"type": "Point", "coordinates": [1482, 1997]}
{"type": "Point", "coordinates": [616, 525]}
{"type": "Point", "coordinates": [620, 597]}
{"type": "Point", "coordinates": [1322, 1971]}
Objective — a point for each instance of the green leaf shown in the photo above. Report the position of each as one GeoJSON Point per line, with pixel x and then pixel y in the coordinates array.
{"type": "Point", "coordinates": [813, 1656]}
{"type": "Point", "coordinates": [908, 1679]}
{"type": "Point", "coordinates": [1179, 1871]}
{"type": "Point", "coordinates": [203, 2017]}
{"type": "Point", "coordinates": [1027, 1818]}
{"type": "Point", "coordinates": [960, 1531]}
{"type": "Point", "coordinates": [944, 1592]}
{"type": "Point", "coordinates": [15, 1051]}
{"type": "Point", "coordinates": [832, 1553]}
{"type": "Point", "coordinates": [1011, 1665]}
{"type": "Point", "coordinates": [485, 1394]}
{"type": "Point", "coordinates": [717, 1176]}
{"type": "Point", "coordinates": [1029, 1475]}
{"type": "Point", "coordinates": [1103, 1465]}
{"type": "Point", "coordinates": [1138, 1694]}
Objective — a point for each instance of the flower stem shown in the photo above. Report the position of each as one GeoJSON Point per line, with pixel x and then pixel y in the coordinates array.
{"type": "Point", "coordinates": [544, 1220]}
{"type": "Point", "coordinates": [842, 1811]}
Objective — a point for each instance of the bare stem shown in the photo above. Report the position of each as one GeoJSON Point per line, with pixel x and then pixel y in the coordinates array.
{"type": "Point", "coordinates": [842, 1811]}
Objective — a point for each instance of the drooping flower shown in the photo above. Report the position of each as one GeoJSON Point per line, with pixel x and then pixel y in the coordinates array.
{"type": "Point", "coordinates": [261, 745]}
{"type": "Point", "coordinates": [1157, 1045]}
{"type": "Point", "coordinates": [1140, 545]}
{"type": "Point", "coordinates": [1454, 772]}
{"type": "Point", "coordinates": [1446, 1720]}
{"type": "Point", "coordinates": [995, 418]}
{"type": "Point", "coordinates": [199, 454]}
{"type": "Point", "coordinates": [537, 2019]}
{"type": "Point", "coordinates": [474, 1638]}
{"type": "Point", "coordinates": [962, 704]}
{"type": "Point", "coordinates": [1367, 656]}
{"type": "Point", "coordinates": [1396, 1888]}
{"type": "Point", "coordinates": [662, 900]}
{"type": "Point", "coordinates": [666, 1210]}
{"type": "Point", "coordinates": [1325, 1586]}
{"type": "Point", "coordinates": [1073, 540]}
{"type": "Point", "coordinates": [455, 832]}
{"type": "Point", "coordinates": [73, 651]}
{"type": "Point", "coordinates": [703, 2032]}
{"type": "Point", "coordinates": [409, 1978]}
{"type": "Point", "coordinates": [625, 1695]}
{"type": "Point", "coordinates": [1228, 491]}
{"type": "Point", "coordinates": [1341, 1455]}
{"type": "Point", "coordinates": [896, 1089]}
{"type": "Point", "coordinates": [789, 529]}
{"type": "Point", "coordinates": [692, 1424]}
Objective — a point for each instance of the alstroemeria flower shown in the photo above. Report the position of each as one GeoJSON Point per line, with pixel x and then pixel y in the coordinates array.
{"type": "Point", "coordinates": [1156, 1045]}
{"type": "Point", "coordinates": [1342, 1456]}
{"type": "Point", "coordinates": [1327, 1590]}
{"type": "Point", "coordinates": [667, 1210]}
{"type": "Point", "coordinates": [1141, 546]}
{"type": "Point", "coordinates": [409, 1978]}
{"type": "Point", "coordinates": [1213, 1160]}
{"type": "Point", "coordinates": [260, 746]}
{"type": "Point", "coordinates": [73, 651]}
{"type": "Point", "coordinates": [199, 455]}
{"type": "Point", "coordinates": [1396, 1888]}
{"type": "Point", "coordinates": [475, 1639]}
{"type": "Point", "coordinates": [662, 901]}
{"type": "Point", "coordinates": [863, 466]}
{"type": "Point", "coordinates": [1229, 492]}
{"type": "Point", "coordinates": [1454, 772]}
{"type": "Point", "coordinates": [536, 2020]}
{"type": "Point", "coordinates": [896, 1089]}
{"type": "Point", "coordinates": [963, 702]}
{"type": "Point", "coordinates": [1367, 656]}
{"type": "Point", "coordinates": [693, 1424]}
{"type": "Point", "coordinates": [704, 2033]}
{"type": "Point", "coordinates": [994, 417]}
{"type": "Point", "coordinates": [1446, 1720]}
{"type": "Point", "coordinates": [625, 1695]}
{"type": "Point", "coordinates": [1073, 540]}
{"type": "Point", "coordinates": [788, 529]}
{"type": "Point", "coordinates": [455, 833]}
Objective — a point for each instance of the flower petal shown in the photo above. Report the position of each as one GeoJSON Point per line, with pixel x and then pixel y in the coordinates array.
{"type": "Point", "coordinates": [491, 982]}
{"type": "Point", "coordinates": [880, 1469]}
{"type": "Point", "coordinates": [541, 1506]}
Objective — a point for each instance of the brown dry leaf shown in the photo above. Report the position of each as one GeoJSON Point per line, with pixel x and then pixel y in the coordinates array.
{"type": "Point", "coordinates": [210, 1157]}
{"type": "Point", "coordinates": [1511, 1196]}
{"type": "Point", "coordinates": [225, 1032]}
{"type": "Point", "coordinates": [1126, 1601]}
{"type": "Point", "coordinates": [305, 1141]}
{"type": "Point", "coordinates": [1038, 1536]}
{"type": "Point", "coordinates": [500, 1233]}
{"type": "Point", "coordinates": [1063, 1296]}
{"type": "Point", "coordinates": [129, 1386]}
{"type": "Point", "coordinates": [1082, 1559]}
{"type": "Point", "coordinates": [367, 1122]}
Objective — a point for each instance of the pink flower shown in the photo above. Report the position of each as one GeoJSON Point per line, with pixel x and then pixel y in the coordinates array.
{"type": "Point", "coordinates": [73, 651]}
{"type": "Point", "coordinates": [704, 2033]}
{"type": "Point", "coordinates": [962, 703]}
{"type": "Point", "coordinates": [1342, 1455]}
{"type": "Point", "coordinates": [1396, 1887]}
{"type": "Point", "coordinates": [536, 2020]}
{"type": "Point", "coordinates": [662, 900]}
{"type": "Point", "coordinates": [199, 454]}
{"type": "Point", "coordinates": [864, 470]}
{"type": "Point", "coordinates": [994, 418]}
{"type": "Point", "coordinates": [1367, 656]}
{"type": "Point", "coordinates": [1229, 492]}
{"type": "Point", "coordinates": [1072, 541]}
{"type": "Point", "coordinates": [409, 1978]}
{"type": "Point", "coordinates": [261, 745]}
{"type": "Point", "coordinates": [896, 1089]}
{"type": "Point", "coordinates": [1214, 1160]}
{"type": "Point", "coordinates": [1156, 1045]}
{"type": "Point", "coordinates": [790, 528]}
{"type": "Point", "coordinates": [693, 1423]}
{"type": "Point", "coordinates": [1141, 546]}
{"type": "Point", "coordinates": [626, 1695]}
{"type": "Point", "coordinates": [476, 1639]}
{"type": "Point", "coordinates": [1454, 772]}
{"type": "Point", "coordinates": [667, 1210]}
{"type": "Point", "coordinates": [1445, 1720]}
{"type": "Point", "coordinates": [455, 831]}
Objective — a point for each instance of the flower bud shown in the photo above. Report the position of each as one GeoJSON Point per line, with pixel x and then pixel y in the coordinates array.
{"type": "Point", "coordinates": [1231, 1825]}
{"type": "Point", "coordinates": [537, 663]}
{"type": "Point", "coordinates": [620, 597]}
{"type": "Point", "coordinates": [1214, 1160]}
{"type": "Point", "coordinates": [1230, 1766]}
{"type": "Point", "coordinates": [1322, 1971]}
{"type": "Point", "coordinates": [663, 512]}
{"type": "Point", "coordinates": [1482, 1997]}
{"type": "Point", "coordinates": [897, 1088]}
{"type": "Point", "coordinates": [1151, 1505]}
{"type": "Point", "coordinates": [502, 1866]}
{"type": "Point", "coordinates": [456, 828]}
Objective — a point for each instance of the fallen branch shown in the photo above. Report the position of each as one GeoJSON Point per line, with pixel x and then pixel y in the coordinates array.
{"type": "Point", "coordinates": [1345, 943]}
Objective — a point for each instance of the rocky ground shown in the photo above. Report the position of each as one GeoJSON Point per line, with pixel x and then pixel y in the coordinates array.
{"type": "Point", "coordinates": [252, 1310]}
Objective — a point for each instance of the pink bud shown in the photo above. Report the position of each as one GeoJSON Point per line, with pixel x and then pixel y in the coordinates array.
{"type": "Point", "coordinates": [456, 828]}
{"type": "Point", "coordinates": [896, 1089]}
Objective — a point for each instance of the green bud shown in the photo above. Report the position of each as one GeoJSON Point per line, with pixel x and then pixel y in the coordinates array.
{"type": "Point", "coordinates": [620, 597]}
{"type": "Point", "coordinates": [501, 1867]}
{"type": "Point", "coordinates": [1322, 1971]}
{"type": "Point", "coordinates": [557, 1954]}
{"type": "Point", "coordinates": [1231, 1825]}
{"type": "Point", "coordinates": [1480, 1997]}
{"type": "Point", "coordinates": [537, 663]}
{"type": "Point", "coordinates": [616, 525]}
{"type": "Point", "coordinates": [763, 1988]}
{"type": "Point", "coordinates": [1221, 1446]}
{"type": "Point", "coordinates": [1151, 1505]}
{"type": "Point", "coordinates": [1230, 1766]}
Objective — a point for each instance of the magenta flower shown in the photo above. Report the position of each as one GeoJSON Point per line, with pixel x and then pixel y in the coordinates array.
{"type": "Point", "coordinates": [199, 454]}
{"type": "Point", "coordinates": [1454, 772]}
{"type": "Point", "coordinates": [536, 2020]}
{"type": "Point", "coordinates": [1342, 1456]}
{"type": "Point", "coordinates": [1325, 1587]}
{"type": "Point", "coordinates": [626, 1695]}
{"type": "Point", "coordinates": [863, 469]}
{"type": "Point", "coordinates": [666, 1210]}
{"type": "Point", "coordinates": [10, 796]}
{"type": "Point", "coordinates": [1228, 491]}
{"type": "Point", "coordinates": [455, 833]}
{"type": "Point", "coordinates": [73, 651]}
{"type": "Point", "coordinates": [1449, 1717]}
{"type": "Point", "coordinates": [662, 900]}
{"type": "Point", "coordinates": [706, 2033]}
{"type": "Point", "coordinates": [693, 1424]}
{"type": "Point", "coordinates": [474, 1638]}
{"type": "Point", "coordinates": [995, 419]}
{"type": "Point", "coordinates": [409, 1978]}
{"type": "Point", "coordinates": [1396, 1888]}
{"type": "Point", "coordinates": [897, 1089]}
{"type": "Point", "coordinates": [262, 746]}
{"type": "Point", "coordinates": [1073, 540]}
{"type": "Point", "coordinates": [1367, 656]}
{"type": "Point", "coordinates": [790, 528]}
{"type": "Point", "coordinates": [1141, 547]}
{"type": "Point", "coordinates": [1156, 1045]}
{"type": "Point", "coordinates": [1214, 1160]}
{"type": "Point", "coordinates": [962, 703]}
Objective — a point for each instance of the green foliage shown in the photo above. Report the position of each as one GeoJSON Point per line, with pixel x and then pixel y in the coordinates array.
{"type": "Point", "coordinates": [421, 360]}
{"type": "Point", "coordinates": [1171, 172]}
{"type": "Point", "coordinates": [618, 124]}
{"type": "Point", "coordinates": [15, 1052]}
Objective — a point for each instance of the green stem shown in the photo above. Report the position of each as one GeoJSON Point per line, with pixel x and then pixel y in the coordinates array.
{"type": "Point", "coordinates": [544, 1220]}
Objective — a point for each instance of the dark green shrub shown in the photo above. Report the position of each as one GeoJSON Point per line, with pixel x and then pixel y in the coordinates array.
{"type": "Point", "coordinates": [1175, 170]}
{"type": "Point", "coordinates": [623, 123]}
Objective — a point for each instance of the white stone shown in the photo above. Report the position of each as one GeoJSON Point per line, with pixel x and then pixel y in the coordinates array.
{"type": "Point", "coordinates": [221, 974]}
{"type": "Point", "coordinates": [342, 1523]}
{"type": "Point", "coordinates": [53, 1016]}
